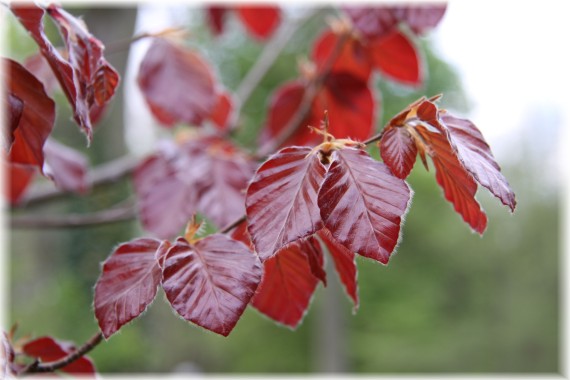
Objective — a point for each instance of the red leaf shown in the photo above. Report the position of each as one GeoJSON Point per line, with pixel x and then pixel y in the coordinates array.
{"type": "Point", "coordinates": [420, 18]}
{"type": "Point", "coordinates": [36, 119]}
{"type": "Point", "coordinates": [260, 21]}
{"type": "Point", "coordinates": [66, 167]}
{"type": "Point", "coordinates": [396, 57]}
{"type": "Point", "coordinates": [222, 111]}
{"type": "Point", "coordinates": [345, 265]}
{"type": "Point", "coordinates": [281, 200]}
{"type": "Point", "coordinates": [352, 59]}
{"type": "Point", "coordinates": [177, 84]}
{"type": "Point", "coordinates": [49, 350]}
{"type": "Point", "coordinates": [211, 281]}
{"type": "Point", "coordinates": [398, 151]}
{"type": "Point", "coordinates": [19, 177]}
{"type": "Point", "coordinates": [475, 155]}
{"type": "Point", "coordinates": [362, 204]}
{"type": "Point", "coordinates": [215, 17]}
{"type": "Point", "coordinates": [316, 259]}
{"type": "Point", "coordinates": [458, 185]}
{"type": "Point", "coordinates": [288, 284]}
{"type": "Point", "coordinates": [350, 106]}
{"type": "Point", "coordinates": [15, 107]}
{"type": "Point", "coordinates": [128, 283]}
{"type": "Point", "coordinates": [39, 66]}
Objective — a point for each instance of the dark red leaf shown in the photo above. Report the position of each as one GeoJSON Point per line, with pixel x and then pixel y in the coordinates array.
{"type": "Point", "coordinates": [215, 17]}
{"type": "Point", "coordinates": [288, 284]}
{"type": "Point", "coordinates": [398, 151]}
{"type": "Point", "coordinates": [345, 265]}
{"type": "Point", "coordinates": [362, 204]}
{"type": "Point", "coordinates": [105, 82]}
{"type": "Point", "coordinates": [36, 119]}
{"type": "Point", "coordinates": [458, 185]}
{"type": "Point", "coordinates": [260, 21]}
{"type": "Point", "coordinates": [128, 283]}
{"type": "Point", "coordinates": [281, 200]}
{"type": "Point", "coordinates": [396, 57]}
{"type": "Point", "coordinates": [316, 259]}
{"type": "Point", "coordinates": [47, 350]}
{"type": "Point", "coordinates": [420, 17]}
{"type": "Point", "coordinates": [177, 84]}
{"type": "Point", "coordinates": [475, 155]}
{"type": "Point", "coordinates": [15, 109]}
{"type": "Point", "coordinates": [39, 66]}
{"type": "Point", "coordinates": [222, 111]}
{"type": "Point", "coordinates": [19, 177]}
{"type": "Point", "coordinates": [66, 167]}
{"type": "Point", "coordinates": [352, 58]}
{"type": "Point", "coordinates": [211, 281]}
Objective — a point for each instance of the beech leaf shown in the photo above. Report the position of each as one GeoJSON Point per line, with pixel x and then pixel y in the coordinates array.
{"type": "Point", "coordinates": [47, 349]}
{"type": "Point", "coordinates": [128, 283]}
{"type": "Point", "coordinates": [19, 177]}
{"type": "Point", "coordinates": [281, 200]}
{"type": "Point", "coordinates": [362, 204]}
{"type": "Point", "coordinates": [396, 57]}
{"type": "Point", "coordinates": [260, 21]}
{"type": "Point", "coordinates": [398, 150]}
{"type": "Point", "coordinates": [211, 281]}
{"type": "Point", "coordinates": [288, 284]}
{"type": "Point", "coordinates": [67, 167]}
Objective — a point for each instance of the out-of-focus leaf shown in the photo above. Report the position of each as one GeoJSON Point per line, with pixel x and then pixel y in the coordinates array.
{"type": "Point", "coordinates": [177, 84]}
{"type": "Point", "coordinates": [66, 167]}
{"type": "Point", "coordinates": [215, 17]}
{"type": "Point", "coordinates": [15, 109]}
{"type": "Point", "coordinates": [362, 204]}
{"type": "Point", "coordinates": [396, 57]}
{"type": "Point", "coordinates": [211, 281]}
{"type": "Point", "coordinates": [476, 156]}
{"type": "Point", "coordinates": [47, 350]}
{"type": "Point", "coordinates": [345, 265]}
{"type": "Point", "coordinates": [35, 122]}
{"type": "Point", "coordinates": [398, 150]}
{"type": "Point", "coordinates": [222, 110]}
{"type": "Point", "coordinates": [128, 283]}
{"type": "Point", "coordinates": [19, 177]}
{"type": "Point", "coordinates": [259, 20]}
{"type": "Point", "coordinates": [281, 200]}
{"type": "Point", "coordinates": [38, 65]}
{"type": "Point", "coordinates": [6, 356]}
{"type": "Point", "coordinates": [288, 284]}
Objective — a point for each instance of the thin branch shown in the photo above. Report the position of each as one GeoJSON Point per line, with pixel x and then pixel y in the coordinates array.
{"type": "Point", "coordinates": [109, 172]}
{"type": "Point", "coordinates": [37, 367]}
{"type": "Point", "coordinates": [112, 215]}
{"type": "Point", "coordinates": [233, 225]}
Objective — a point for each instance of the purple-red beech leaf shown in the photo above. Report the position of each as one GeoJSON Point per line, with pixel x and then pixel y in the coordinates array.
{"type": "Point", "coordinates": [396, 57]}
{"type": "Point", "coordinates": [345, 265]}
{"type": "Point", "coordinates": [475, 155]}
{"type": "Point", "coordinates": [398, 150]}
{"type": "Point", "coordinates": [34, 120]}
{"type": "Point", "coordinates": [177, 84]}
{"type": "Point", "coordinates": [128, 283]}
{"type": "Point", "coordinates": [19, 177]}
{"type": "Point", "coordinates": [281, 200]}
{"type": "Point", "coordinates": [260, 21]}
{"type": "Point", "coordinates": [288, 284]}
{"type": "Point", "coordinates": [316, 259]}
{"type": "Point", "coordinates": [15, 107]}
{"type": "Point", "coordinates": [67, 167]}
{"type": "Point", "coordinates": [38, 65]}
{"type": "Point", "coordinates": [362, 204]}
{"type": "Point", "coordinates": [215, 16]}
{"type": "Point", "coordinates": [211, 281]}
{"type": "Point", "coordinates": [222, 111]}
{"type": "Point", "coordinates": [47, 350]}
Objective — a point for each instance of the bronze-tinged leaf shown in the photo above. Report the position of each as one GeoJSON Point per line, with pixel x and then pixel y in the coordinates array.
{"type": "Point", "coordinates": [362, 204]}
{"type": "Point", "coordinates": [211, 282]}
{"type": "Point", "coordinates": [287, 286]}
{"type": "Point", "coordinates": [47, 349]}
{"type": "Point", "coordinates": [398, 151]}
{"type": "Point", "coordinates": [35, 122]}
{"type": "Point", "coordinates": [177, 84]}
{"type": "Point", "coordinates": [345, 265]}
{"type": "Point", "coordinates": [281, 200]}
{"type": "Point", "coordinates": [458, 185]}
{"type": "Point", "coordinates": [67, 167]}
{"type": "Point", "coordinates": [260, 21]}
{"type": "Point", "coordinates": [128, 283]}
{"type": "Point", "coordinates": [475, 155]}
{"type": "Point", "coordinates": [396, 57]}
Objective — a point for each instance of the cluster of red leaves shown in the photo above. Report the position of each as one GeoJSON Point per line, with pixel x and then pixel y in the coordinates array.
{"type": "Point", "coordinates": [87, 80]}
{"type": "Point", "coordinates": [259, 20]}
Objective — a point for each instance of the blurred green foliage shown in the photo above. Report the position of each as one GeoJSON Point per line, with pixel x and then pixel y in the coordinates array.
{"type": "Point", "coordinates": [449, 301]}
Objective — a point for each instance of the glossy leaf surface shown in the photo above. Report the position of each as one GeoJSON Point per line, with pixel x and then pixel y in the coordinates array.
{"type": "Point", "coordinates": [211, 281]}
{"type": "Point", "coordinates": [398, 150]}
{"type": "Point", "coordinates": [260, 20]}
{"type": "Point", "coordinates": [177, 84]}
{"type": "Point", "coordinates": [362, 204]}
{"type": "Point", "coordinates": [288, 285]}
{"type": "Point", "coordinates": [47, 349]}
{"type": "Point", "coordinates": [128, 283]}
{"type": "Point", "coordinates": [281, 200]}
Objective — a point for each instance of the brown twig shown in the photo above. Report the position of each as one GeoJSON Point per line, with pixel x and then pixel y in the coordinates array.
{"type": "Point", "coordinates": [37, 367]}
